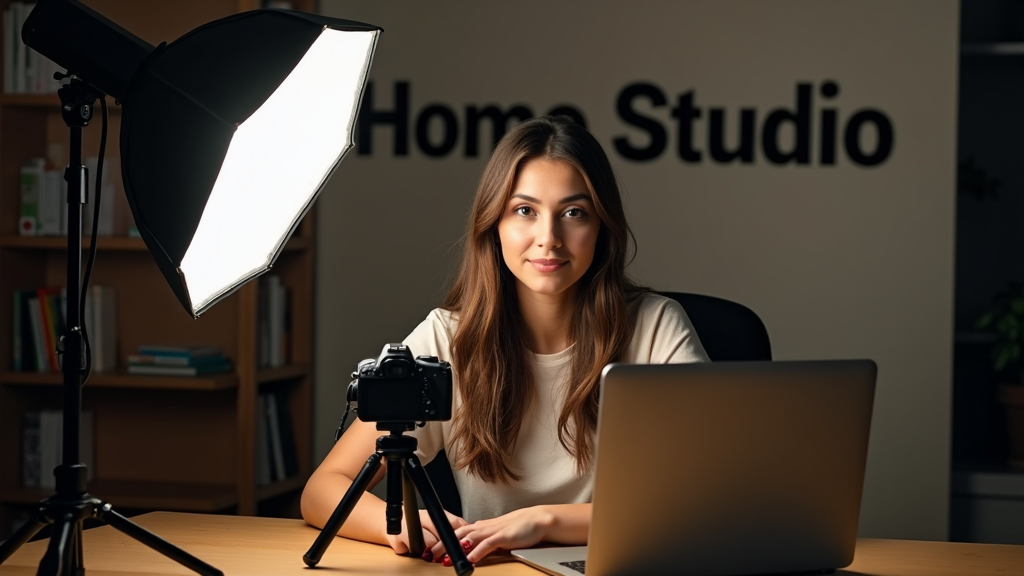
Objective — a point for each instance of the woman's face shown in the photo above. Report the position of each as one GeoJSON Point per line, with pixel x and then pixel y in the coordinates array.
{"type": "Point", "coordinates": [549, 228]}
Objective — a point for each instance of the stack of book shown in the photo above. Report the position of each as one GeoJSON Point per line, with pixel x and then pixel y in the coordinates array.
{"type": "Point", "coordinates": [178, 361]}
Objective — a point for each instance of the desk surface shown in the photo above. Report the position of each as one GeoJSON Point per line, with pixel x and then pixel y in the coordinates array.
{"type": "Point", "coordinates": [240, 545]}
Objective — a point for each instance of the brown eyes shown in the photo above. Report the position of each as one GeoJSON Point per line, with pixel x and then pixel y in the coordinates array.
{"type": "Point", "coordinates": [527, 211]}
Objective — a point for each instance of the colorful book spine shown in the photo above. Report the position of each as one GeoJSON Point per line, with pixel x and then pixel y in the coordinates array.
{"type": "Point", "coordinates": [52, 316]}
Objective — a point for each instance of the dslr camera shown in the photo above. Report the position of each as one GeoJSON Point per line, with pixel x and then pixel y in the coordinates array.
{"type": "Point", "coordinates": [399, 388]}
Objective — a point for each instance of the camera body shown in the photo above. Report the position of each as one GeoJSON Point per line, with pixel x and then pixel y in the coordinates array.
{"type": "Point", "coordinates": [399, 388]}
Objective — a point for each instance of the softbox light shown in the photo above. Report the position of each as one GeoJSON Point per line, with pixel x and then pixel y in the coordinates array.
{"type": "Point", "coordinates": [227, 133]}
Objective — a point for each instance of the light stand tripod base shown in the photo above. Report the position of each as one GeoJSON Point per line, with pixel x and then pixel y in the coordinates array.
{"type": "Point", "coordinates": [71, 505]}
{"type": "Point", "coordinates": [404, 467]}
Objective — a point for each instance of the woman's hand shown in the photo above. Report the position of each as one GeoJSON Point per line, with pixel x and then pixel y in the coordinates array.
{"type": "Point", "coordinates": [400, 542]}
{"type": "Point", "coordinates": [518, 529]}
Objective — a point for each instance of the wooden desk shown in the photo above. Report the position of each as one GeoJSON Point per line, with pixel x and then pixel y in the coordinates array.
{"type": "Point", "coordinates": [247, 546]}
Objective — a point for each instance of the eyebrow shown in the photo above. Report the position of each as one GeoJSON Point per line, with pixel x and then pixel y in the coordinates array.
{"type": "Point", "coordinates": [566, 200]}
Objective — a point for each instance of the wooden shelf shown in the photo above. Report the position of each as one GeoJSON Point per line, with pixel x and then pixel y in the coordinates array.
{"type": "Point", "coordinates": [107, 243]}
{"type": "Point", "coordinates": [48, 101]}
{"type": "Point", "coordinates": [122, 379]}
{"type": "Point", "coordinates": [993, 49]}
{"type": "Point", "coordinates": [60, 243]}
{"type": "Point", "coordinates": [141, 495]}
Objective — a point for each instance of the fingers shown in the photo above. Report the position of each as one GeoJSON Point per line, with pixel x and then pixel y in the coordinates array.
{"type": "Point", "coordinates": [429, 542]}
{"type": "Point", "coordinates": [476, 553]}
{"type": "Point", "coordinates": [439, 551]}
{"type": "Point", "coordinates": [455, 521]}
{"type": "Point", "coordinates": [445, 559]}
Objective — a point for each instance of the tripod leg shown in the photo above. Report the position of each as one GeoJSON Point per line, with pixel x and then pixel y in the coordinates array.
{"type": "Point", "coordinates": [437, 515]}
{"type": "Point", "coordinates": [119, 522]}
{"type": "Point", "coordinates": [344, 508]}
{"type": "Point", "coordinates": [412, 516]}
{"type": "Point", "coordinates": [24, 534]}
{"type": "Point", "coordinates": [393, 495]}
{"type": "Point", "coordinates": [54, 562]}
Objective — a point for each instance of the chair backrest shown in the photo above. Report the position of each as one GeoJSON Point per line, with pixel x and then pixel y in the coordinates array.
{"type": "Point", "coordinates": [728, 330]}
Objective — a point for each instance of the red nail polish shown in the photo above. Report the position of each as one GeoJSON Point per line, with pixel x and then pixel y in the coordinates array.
{"type": "Point", "coordinates": [447, 561]}
{"type": "Point", "coordinates": [466, 544]}
{"type": "Point", "coordinates": [428, 555]}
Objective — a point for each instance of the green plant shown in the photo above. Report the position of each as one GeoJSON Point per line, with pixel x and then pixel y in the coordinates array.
{"type": "Point", "coordinates": [1006, 317]}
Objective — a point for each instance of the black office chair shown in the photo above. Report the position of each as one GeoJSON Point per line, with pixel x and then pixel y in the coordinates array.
{"type": "Point", "coordinates": [729, 332]}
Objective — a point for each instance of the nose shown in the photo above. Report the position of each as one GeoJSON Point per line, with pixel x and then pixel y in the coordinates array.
{"type": "Point", "coordinates": [549, 232]}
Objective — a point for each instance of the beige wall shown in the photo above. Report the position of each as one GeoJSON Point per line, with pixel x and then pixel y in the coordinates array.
{"type": "Point", "coordinates": [840, 261]}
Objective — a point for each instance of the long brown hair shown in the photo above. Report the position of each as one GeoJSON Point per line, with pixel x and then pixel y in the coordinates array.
{"type": "Point", "coordinates": [489, 353]}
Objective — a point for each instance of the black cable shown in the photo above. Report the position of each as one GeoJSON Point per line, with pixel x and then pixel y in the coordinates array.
{"type": "Point", "coordinates": [92, 244]}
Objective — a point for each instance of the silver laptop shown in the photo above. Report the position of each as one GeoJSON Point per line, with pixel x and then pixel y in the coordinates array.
{"type": "Point", "coordinates": [725, 469]}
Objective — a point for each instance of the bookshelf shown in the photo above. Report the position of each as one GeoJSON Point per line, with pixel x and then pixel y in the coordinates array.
{"type": "Point", "coordinates": [161, 443]}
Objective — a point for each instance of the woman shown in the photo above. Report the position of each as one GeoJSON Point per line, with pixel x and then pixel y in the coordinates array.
{"type": "Point", "coordinates": [541, 304]}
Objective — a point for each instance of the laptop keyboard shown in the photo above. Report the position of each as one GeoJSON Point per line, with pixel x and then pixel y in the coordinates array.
{"type": "Point", "coordinates": [577, 565]}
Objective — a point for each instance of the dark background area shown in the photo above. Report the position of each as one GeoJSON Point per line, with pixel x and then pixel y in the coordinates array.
{"type": "Point", "coordinates": [990, 214]}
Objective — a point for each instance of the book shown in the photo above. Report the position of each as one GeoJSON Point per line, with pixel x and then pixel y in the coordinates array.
{"type": "Point", "coordinates": [52, 323]}
{"type": "Point", "coordinates": [28, 344]}
{"type": "Point", "coordinates": [273, 322]}
{"type": "Point", "coordinates": [100, 319]}
{"type": "Point", "coordinates": [52, 205]}
{"type": "Point", "coordinates": [27, 58]}
{"type": "Point", "coordinates": [19, 12]}
{"type": "Point", "coordinates": [263, 476]}
{"type": "Point", "coordinates": [35, 314]}
{"type": "Point", "coordinates": [31, 466]}
{"type": "Point", "coordinates": [159, 360]}
{"type": "Point", "coordinates": [284, 424]}
{"type": "Point", "coordinates": [31, 181]}
{"type": "Point", "coordinates": [9, 38]}
{"type": "Point", "coordinates": [105, 222]}
{"type": "Point", "coordinates": [188, 352]}
{"type": "Point", "coordinates": [276, 448]}
{"type": "Point", "coordinates": [158, 370]}
{"type": "Point", "coordinates": [51, 444]}
{"type": "Point", "coordinates": [18, 342]}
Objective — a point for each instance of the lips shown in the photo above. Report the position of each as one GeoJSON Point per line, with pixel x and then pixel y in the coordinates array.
{"type": "Point", "coordinates": [544, 265]}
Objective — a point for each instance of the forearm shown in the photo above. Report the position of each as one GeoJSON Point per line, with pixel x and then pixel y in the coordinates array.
{"type": "Point", "coordinates": [566, 523]}
{"type": "Point", "coordinates": [321, 496]}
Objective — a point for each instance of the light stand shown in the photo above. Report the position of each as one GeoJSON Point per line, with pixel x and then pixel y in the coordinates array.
{"type": "Point", "coordinates": [71, 505]}
{"type": "Point", "coordinates": [405, 477]}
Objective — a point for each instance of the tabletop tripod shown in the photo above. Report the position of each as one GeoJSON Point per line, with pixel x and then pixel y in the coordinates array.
{"type": "Point", "coordinates": [405, 477]}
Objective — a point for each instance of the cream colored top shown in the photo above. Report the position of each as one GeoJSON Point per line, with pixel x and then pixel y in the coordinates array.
{"type": "Point", "coordinates": [663, 335]}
